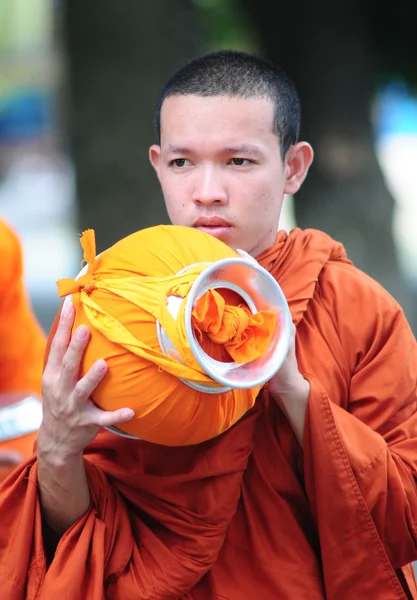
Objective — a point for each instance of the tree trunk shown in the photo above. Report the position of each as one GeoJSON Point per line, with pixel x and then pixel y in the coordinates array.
{"type": "Point", "coordinates": [330, 54]}
{"type": "Point", "coordinates": [118, 56]}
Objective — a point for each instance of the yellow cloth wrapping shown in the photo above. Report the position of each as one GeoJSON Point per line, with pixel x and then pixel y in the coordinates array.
{"type": "Point", "coordinates": [120, 297]}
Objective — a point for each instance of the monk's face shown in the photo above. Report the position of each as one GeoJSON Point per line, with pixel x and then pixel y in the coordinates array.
{"type": "Point", "coordinates": [220, 168]}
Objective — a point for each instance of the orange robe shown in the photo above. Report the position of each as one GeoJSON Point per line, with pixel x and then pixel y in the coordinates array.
{"type": "Point", "coordinates": [22, 341]}
{"type": "Point", "coordinates": [250, 514]}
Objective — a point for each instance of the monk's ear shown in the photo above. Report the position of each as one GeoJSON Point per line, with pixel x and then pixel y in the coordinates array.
{"type": "Point", "coordinates": [155, 157]}
{"type": "Point", "coordinates": [297, 163]}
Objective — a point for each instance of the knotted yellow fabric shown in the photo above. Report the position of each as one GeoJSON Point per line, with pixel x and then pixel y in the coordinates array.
{"type": "Point", "coordinates": [244, 336]}
{"type": "Point", "coordinates": [121, 297]}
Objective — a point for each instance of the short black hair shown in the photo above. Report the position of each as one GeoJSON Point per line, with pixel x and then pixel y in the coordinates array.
{"type": "Point", "coordinates": [238, 74]}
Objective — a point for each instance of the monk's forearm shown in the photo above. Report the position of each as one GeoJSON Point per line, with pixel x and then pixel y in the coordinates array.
{"type": "Point", "coordinates": [63, 489]}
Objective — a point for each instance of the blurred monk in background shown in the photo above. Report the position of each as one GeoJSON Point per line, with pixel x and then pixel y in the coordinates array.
{"type": "Point", "coordinates": [22, 347]}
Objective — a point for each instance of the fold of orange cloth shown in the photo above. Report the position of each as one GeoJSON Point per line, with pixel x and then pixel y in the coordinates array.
{"type": "Point", "coordinates": [244, 335]}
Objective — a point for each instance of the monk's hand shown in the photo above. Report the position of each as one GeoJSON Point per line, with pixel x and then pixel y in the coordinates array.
{"type": "Point", "coordinates": [70, 419]}
{"type": "Point", "coordinates": [291, 391]}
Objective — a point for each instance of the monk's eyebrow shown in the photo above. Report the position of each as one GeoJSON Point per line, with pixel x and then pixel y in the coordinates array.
{"type": "Point", "coordinates": [247, 149]}
{"type": "Point", "coordinates": [171, 149]}
{"type": "Point", "coordinates": [243, 149]}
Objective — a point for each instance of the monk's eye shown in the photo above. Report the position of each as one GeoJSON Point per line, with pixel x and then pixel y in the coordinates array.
{"type": "Point", "coordinates": [179, 162]}
{"type": "Point", "coordinates": [240, 162]}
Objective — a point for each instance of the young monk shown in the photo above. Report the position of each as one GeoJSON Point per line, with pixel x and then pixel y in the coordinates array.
{"type": "Point", "coordinates": [312, 494]}
{"type": "Point", "coordinates": [22, 345]}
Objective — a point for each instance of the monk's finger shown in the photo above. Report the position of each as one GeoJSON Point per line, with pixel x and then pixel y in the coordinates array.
{"type": "Point", "coordinates": [61, 340]}
{"type": "Point", "coordinates": [107, 418]}
{"type": "Point", "coordinates": [10, 459]}
{"type": "Point", "coordinates": [71, 361]}
{"type": "Point", "coordinates": [86, 386]}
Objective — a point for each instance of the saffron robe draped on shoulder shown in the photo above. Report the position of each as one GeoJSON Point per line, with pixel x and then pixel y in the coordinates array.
{"type": "Point", "coordinates": [22, 341]}
{"type": "Point", "coordinates": [250, 514]}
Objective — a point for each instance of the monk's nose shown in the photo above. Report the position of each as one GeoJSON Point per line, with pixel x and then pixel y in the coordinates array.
{"type": "Point", "coordinates": [209, 188]}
